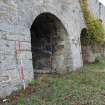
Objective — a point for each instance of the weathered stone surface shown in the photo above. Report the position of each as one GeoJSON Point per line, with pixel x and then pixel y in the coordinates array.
{"type": "Point", "coordinates": [7, 62]}
{"type": "Point", "coordinates": [7, 47]}
{"type": "Point", "coordinates": [4, 78]}
{"type": "Point", "coordinates": [16, 18]}
{"type": "Point", "coordinates": [98, 9]}
{"type": "Point", "coordinates": [8, 11]}
{"type": "Point", "coordinates": [26, 46]}
{"type": "Point", "coordinates": [88, 55]}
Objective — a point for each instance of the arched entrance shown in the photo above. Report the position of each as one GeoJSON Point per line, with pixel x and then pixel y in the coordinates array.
{"type": "Point", "coordinates": [49, 44]}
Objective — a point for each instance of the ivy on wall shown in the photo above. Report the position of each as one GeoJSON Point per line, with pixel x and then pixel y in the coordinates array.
{"type": "Point", "coordinates": [95, 29]}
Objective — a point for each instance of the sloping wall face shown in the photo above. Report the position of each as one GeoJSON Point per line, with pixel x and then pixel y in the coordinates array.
{"type": "Point", "coordinates": [16, 18]}
{"type": "Point", "coordinates": [102, 13]}
{"type": "Point", "coordinates": [98, 9]}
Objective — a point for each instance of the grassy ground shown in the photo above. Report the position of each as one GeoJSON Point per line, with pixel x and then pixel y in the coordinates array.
{"type": "Point", "coordinates": [86, 87]}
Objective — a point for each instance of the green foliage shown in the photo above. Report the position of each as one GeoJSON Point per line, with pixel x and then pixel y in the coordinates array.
{"type": "Point", "coordinates": [99, 59]}
{"type": "Point", "coordinates": [34, 82]}
{"type": "Point", "coordinates": [21, 101]}
{"type": "Point", "coordinates": [95, 29]}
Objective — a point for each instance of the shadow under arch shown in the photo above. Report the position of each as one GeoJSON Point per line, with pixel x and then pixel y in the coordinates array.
{"type": "Point", "coordinates": [50, 44]}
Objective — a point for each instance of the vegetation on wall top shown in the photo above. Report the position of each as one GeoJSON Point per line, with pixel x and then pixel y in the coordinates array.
{"type": "Point", "coordinates": [95, 29]}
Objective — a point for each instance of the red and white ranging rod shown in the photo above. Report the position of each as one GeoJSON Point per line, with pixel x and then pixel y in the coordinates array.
{"type": "Point", "coordinates": [21, 65]}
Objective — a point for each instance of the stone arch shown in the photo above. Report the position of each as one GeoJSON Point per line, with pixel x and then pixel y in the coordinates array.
{"type": "Point", "coordinates": [69, 24]}
{"type": "Point", "coordinates": [48, 9]}
{"type": "Point", "coordinates": [50, 44]}
{"type": "Point", "coordinates": [87, 50]}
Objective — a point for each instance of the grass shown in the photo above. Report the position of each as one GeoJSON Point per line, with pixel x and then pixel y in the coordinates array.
{"type": "Point", "coordinates": [86, 87]}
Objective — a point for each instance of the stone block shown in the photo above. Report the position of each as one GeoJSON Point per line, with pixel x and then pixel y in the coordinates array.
{"type": "Point", "coordinates": [7, 62]}
{"type": "Point", "coordinates": [25, 46]}
{"type": "Point", "coordinates": [7, 47]}
{"type": "Point", "coordinates": [18, 37]}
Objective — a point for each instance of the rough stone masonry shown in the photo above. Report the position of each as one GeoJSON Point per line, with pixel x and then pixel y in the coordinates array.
{"type": "Point", "coordinates": [16, 19]}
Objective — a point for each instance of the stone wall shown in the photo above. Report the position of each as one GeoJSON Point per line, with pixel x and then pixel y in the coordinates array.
{"type": "Point", "coordinates": [10, 61]}
{"type": "Point", "coordinates": [90, 53]}
{"type": "Point", "coordinates": [10, 33]}
{"type": "Point", "coordinates": [16, 18]}
{"type": "Point", "coordinates": [97, 9]}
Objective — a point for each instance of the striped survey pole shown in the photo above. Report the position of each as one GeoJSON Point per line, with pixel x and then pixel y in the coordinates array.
{"type": "Point", "coordinates": [21, 65]}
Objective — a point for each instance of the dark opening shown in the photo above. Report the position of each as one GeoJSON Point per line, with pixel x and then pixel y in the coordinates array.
{"type": "Point", "coordinates": [84, 36]}
{"type": "Point", "coordinates": [48, 42]}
